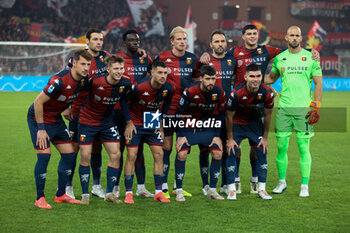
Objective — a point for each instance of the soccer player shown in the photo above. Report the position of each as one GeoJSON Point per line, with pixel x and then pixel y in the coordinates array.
{"type": "Point", "coordinates": [182, 70]}
{"type": "Point", "coordinates": [46, 125]}
{"type": "Point", "coordinates": [243, 120]}
{"type": "Point", "coordinates": [96, 120]}
{"type": "Point", "coordinates": [94, 41]}
{"type": "Point", "coordinates": [206, 103]}
{"type": "Point", "coordinates": [150, 96]}
{"type": "Point", "coordinates": [261, 55]}
{"type": "Point", "coordinates": [223, 64]}
{"type": "Point", "coordinates": [136, 68]}
{"type": "Point", "coordinates": [297, 69]}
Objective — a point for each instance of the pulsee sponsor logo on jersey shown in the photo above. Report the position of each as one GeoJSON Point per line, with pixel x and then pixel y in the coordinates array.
{"type": "Point", "coordinates": [98, 71]}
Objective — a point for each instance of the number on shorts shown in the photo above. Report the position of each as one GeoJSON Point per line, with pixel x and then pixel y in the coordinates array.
{"type": "Point", "coordinates": [114, 131]}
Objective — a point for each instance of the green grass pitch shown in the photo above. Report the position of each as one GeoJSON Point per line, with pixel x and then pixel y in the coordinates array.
{"type": "Point", "coordinates": [326, 210]}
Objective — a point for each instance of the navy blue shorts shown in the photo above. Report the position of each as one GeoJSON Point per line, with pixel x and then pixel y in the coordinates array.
{"type": "Point", "coordinates": [202, 138]}
{"type": "Point", "coordinates": [253, 132]}
{"type": "Point", "coordinates": [105, 133]}
{"type": "Point", "coordinates": [150, 136]}
{"type": "Point", "coordinates": [73, 129]}
{"type": "Point", "coordinates": [119, 121]}
{"type": "Point", "coordinates": [57, 132]}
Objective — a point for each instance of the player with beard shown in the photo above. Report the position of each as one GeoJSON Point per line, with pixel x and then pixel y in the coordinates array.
{"type": "Point", "coordinates": [204, 102]}
{"type": "Point", "coordinates": [223, 64]}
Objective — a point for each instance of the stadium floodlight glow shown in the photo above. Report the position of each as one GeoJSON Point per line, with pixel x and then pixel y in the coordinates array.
{"type": "Point", "coordinates": [238, 6]}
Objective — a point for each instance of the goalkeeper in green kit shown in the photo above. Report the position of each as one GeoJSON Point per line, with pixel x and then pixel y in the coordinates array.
{"type": "Point", "coordinates": [297, 70]}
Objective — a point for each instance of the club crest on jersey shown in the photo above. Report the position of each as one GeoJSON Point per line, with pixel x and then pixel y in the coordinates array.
{"type": "Point", "coordinates": [214, 96]}
{"type": "Point", "coordinates": [229, 62]}
{"type": "Point", "coordinates": [82, 137]}
{"type": "Point", "coordinates": [259, 97]}
{"type": "Point", "coordinates": [102, 59]}
{"type": "Point", "coordinates": [165, 92]}
{"type": "Point", "coordinates": [259, 51]}
{"type": "Point", "coordinates": [141, 60]}
{"type": "Point", "coordinates": [303, 58]}
{"type": "Point", "coordinates": [121, 89]}
{"type": "Point", "coordinates": [189, 60]}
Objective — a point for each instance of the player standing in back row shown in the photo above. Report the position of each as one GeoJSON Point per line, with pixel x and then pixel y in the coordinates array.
{"type": "Point", "coordinates": [297, 69]}
{"type": "Point", "coordinates": [183, 69]}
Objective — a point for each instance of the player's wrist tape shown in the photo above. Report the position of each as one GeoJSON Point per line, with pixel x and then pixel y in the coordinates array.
{"type": "Point", "coordinates": [41, 126]}
{"type": "Point", "coordinates": [315, 104]}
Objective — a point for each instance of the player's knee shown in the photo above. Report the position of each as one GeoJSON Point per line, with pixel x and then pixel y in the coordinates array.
{"type": "Point", "coordinates": [182, 155]}
{"type": "Point", "coordinates": [131, 157]}
{"type": "Point", "coordinates": [217, 154]}
{"type": "Point", "coordinates": [158, 156]}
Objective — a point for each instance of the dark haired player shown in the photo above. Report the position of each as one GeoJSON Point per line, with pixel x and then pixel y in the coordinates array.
{"type": "Point", "coordinates": [244, 120]}
{"type": "Point", "coordinates": [223, 64]}
{"type": "Point", "coordinates": [205, 102]}
{"type": "Point", "coordinates": [94, 41]}
{"type": "Point", "coordinates": [149, 97]}
{"type": "Point", "coordinates": [46, 125]}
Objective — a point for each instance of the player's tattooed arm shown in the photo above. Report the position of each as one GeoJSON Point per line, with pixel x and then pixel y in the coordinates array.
{"type": "Point", "coordinates": [42, 135]}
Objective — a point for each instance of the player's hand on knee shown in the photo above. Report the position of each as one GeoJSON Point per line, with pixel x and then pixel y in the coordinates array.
{"type": "Point", "coordinates": [314, 113]}
{"type": "Point", "coordinates": [217, 141]}
{"type": "Point", "coordinates": [230, 145]}
{"type": "Point", "coordinates": [41, 139]}
{"type": "Point", "coordinates": [264, 143]}
{"type": "Point", "coordinates": [180, 142]}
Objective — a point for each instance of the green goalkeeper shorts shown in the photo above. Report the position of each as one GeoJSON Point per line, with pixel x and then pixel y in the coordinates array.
{"type": "Point", "coordinates": [286, 122]}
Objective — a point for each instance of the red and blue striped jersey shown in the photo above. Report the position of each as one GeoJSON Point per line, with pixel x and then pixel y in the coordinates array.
{"type": "Point", "coordinates": [144, 98]}
{"type": "Point", "coordinates": [136, 68]}
{"type": "Point", "coordinates": [97, 67]}
{"type": "Point", "coordinates": [181, 70]}
{"type": "Point", "coordinates": [224, 72]}
{"type": "Point", "coordinates": [247, 106]}
{"type": "Point", "coordinates": [260, 56]}
{"type": "Point", "coordinates": [62, 90]}
{"type": "Point", "coordinates": [102, 98]}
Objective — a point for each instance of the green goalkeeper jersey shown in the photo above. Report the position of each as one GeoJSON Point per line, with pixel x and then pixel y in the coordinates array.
{"type": "Point", "coordinates": [296, 72]}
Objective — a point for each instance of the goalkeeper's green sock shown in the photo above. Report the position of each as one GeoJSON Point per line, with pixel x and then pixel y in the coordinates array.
{"type": "Point", "coordinates": [305, 159]}
{"type": "Point", "coordinates": [282, 159]}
